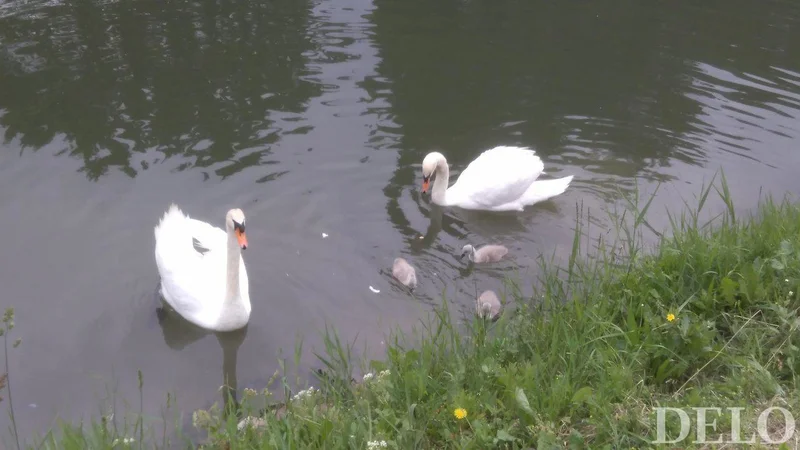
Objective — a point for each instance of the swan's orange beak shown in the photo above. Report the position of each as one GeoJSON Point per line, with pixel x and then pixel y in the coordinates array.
{"type": "Point", "coordinates": [242, 238]}
{"type": "Point", "coordinates": [425, 184]}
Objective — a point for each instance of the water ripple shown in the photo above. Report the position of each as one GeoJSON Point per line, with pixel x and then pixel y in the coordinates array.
{"type": "Point", "coordinates": [740, 113]}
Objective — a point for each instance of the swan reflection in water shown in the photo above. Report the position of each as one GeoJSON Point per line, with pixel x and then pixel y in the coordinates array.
{"type": "Point", "coordinates": [178, 333]}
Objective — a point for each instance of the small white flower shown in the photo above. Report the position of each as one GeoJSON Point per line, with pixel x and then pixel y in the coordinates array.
{"type": "Point", "coordinates": [250, 421]}
{"type": "Point", "coordinates": [384, 373]}
{"type": "Point", "coordinates": [791, 293]}
{"type": "Point", "coordinates": [786, 280]}
{"type": "Point", "coordinates": [304, 393]}
{"type": "Point", "coordinates": [250, 392]}
{"type": "Point", "coordinates": [124, 441]}
{"type": "Point", "coordinates": [376, 444]}
{"type": "Point", "coordinates": [201, 418]}
{"type": "Point", "coordinates": [368, 376]}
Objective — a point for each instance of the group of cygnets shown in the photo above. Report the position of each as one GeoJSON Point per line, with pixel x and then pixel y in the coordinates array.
{"type": "Point", "coordinates": [487, 305]}
{"type": "Point", "coordinates": [204, 278]}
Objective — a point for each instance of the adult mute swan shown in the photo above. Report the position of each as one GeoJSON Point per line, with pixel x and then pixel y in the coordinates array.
{"type": "Point", "coordinates": [500, 179]}
{"type": "Point", "coordinates": [203, 276]}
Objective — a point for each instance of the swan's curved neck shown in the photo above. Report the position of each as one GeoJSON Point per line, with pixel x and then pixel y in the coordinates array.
{"type": "Point", "coordinates": [232, 295]}
{"type": "Point", "coordinates": [439, 191]}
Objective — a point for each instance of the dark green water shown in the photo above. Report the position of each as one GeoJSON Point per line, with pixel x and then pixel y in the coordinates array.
{"type": "Point", "coordinates": [314, 117]}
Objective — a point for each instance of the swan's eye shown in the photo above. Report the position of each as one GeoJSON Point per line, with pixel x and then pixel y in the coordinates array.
{"type": "Point", "coordinates": [238, 226]}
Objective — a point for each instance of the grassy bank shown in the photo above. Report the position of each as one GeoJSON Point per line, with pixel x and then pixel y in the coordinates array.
{"type": "Point", "coordinates": [707, 318]}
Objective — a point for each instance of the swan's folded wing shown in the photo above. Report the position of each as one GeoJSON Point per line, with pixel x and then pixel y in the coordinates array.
{"type": "Point", "coordinates": [187, 275]}
{"type": "Point", "coordinates": [208, 236]}
{"type": "Point", "coordinates": [180, 269]}
{"type": "Point", "coordinates": [498, 176]}
{"type": "Point", "coordinates": [180, 290]}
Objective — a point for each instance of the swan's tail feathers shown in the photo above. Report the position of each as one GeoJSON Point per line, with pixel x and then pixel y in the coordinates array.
{"type": "Point", "coordinates": [542, 190]}
{"type": "Point", "coordinates": [173, 215]}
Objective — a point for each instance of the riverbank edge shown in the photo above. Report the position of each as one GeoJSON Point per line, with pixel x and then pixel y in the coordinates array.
{"type": "Point", "coordinates": [706, 319]}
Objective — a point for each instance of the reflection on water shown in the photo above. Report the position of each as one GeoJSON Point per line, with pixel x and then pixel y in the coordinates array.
{"type": "Point", "coordinates": [178, 333]}
{"type": "Point", "coordinates": [203, 85]}
{"type": "Point", "coordinates": [742, 113]}
{"type": "Point", "coordinates": [314, 117]}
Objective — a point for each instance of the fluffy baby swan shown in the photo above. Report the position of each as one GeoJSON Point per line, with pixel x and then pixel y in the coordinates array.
{"type": "Point", "coordinates": [485, 254]}
{"type": "Point", "coordinates": [404, 272]}
{"type": "Point", "coordinates": [487, 305]}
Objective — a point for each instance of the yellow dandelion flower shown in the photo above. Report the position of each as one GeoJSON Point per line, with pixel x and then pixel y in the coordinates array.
{"type": "Point", "coordinates": [460, 413]}
{"type": "Point", "coordinates": [670, 317]}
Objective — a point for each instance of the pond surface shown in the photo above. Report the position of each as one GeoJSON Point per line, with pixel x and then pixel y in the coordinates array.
{"type": "Point", "coordinates": [314, 117]}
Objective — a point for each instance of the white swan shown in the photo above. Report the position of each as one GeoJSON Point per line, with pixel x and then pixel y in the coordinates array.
{"type": "Point", "coordinates": [203, 276]}
{"type": "Point", "coordinates": [499, 179]}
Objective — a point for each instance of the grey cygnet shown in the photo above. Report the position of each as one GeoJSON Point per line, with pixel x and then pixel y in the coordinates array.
{"type": "Point", "coordinates": [487, 305]}
{"type": "Point", "coordinates": [404, 273]}
{"type": "Point", "coordinates": [485, 254]}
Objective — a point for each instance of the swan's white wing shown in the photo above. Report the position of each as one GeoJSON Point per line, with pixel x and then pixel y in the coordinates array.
{"type": "Point", "coordinates": [497, 176]}
{"type": "Point", "coordinates": [210, 237]}
{"type": "Point", "coordinates": [189, 277]}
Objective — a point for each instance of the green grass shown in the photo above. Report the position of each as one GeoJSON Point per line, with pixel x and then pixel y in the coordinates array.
{"type": "Point", "coordinates": [581, 364]}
